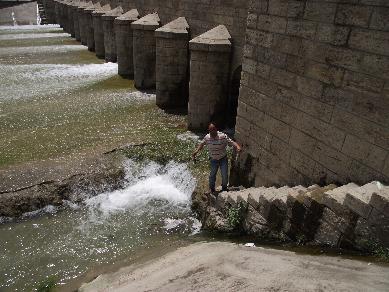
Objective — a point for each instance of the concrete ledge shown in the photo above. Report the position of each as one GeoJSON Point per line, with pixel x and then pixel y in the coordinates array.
{"type": "Point", "coordinates": [178, 28]}
{"type": "Point", "coordinates": [217, 39]}
{"type": "Point", "coordinates": [148, 22]}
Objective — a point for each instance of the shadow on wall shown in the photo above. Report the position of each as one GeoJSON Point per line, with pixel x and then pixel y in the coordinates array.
{"type": "Point", "coordinates": [18, 14]}
{"type": "Point", "coordinates": [233, 97]}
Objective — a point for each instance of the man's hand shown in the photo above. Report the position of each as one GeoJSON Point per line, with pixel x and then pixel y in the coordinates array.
{"type": "Point", "coordinates": [237, 147]}
{"type": "Point", "coordinates": [199, 148]}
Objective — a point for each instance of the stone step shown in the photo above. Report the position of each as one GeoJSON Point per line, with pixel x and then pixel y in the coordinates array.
{"type": "Point", "coordinates": [380, 201]}
{"type": "Point", "coordinates": [280, 200]}
{"type": "Point", "coordinates": [255, 195]}
{"type": "Point", "coordinates": [358, 199]}
{"type": "Point", "coordinates": [334, 199]}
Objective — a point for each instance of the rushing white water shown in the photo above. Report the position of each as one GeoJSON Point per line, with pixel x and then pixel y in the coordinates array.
{"type": "Point", "coordinates": [35, 28]}
{"type": "Point", "coordinates": [17, 80]}
{"type": "Point", "coordinates": [150, 211]}
{"type": "Point", "coordinates": [171, 185]}
{"type": "Point", "coordinates": [21, 36]}
{"type": "Point", "coordinates": [12, 51]}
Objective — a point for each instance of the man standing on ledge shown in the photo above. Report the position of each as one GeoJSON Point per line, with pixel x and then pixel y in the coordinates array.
{"type": "Point", "coordinates": [217, 149]}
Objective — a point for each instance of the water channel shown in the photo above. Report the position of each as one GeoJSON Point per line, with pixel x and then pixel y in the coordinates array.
{"type": "Point", "coordinates": [57, 100]}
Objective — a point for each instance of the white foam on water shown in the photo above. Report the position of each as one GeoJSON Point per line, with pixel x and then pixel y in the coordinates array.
{"type": "Point", "coordinates": [49, 209]}
{"type": "Point", "coordinates": [22, 36]}
{"type": "Point", "coordinates": [171, 223]}
{"type": "Point", "coordinates": [46, 79]}
{"type": "Point", "coordinates": [30, 27]}
{"type": "Point", "coordinates": [172, 184]}
{"type": "Point", "coordinates": [15, 51]}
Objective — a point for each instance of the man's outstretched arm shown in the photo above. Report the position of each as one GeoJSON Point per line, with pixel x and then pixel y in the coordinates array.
{"type": "Point", "coordinates": [199, 148]}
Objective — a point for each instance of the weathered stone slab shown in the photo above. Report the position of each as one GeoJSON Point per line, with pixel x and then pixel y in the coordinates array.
{"type": "Point", "coordinates": [334, 199]}
{"type": "Point", "coordinates": [326, 233]}
{"type": "Point", "coordinates": [380, 224]}
{"type": "Point", "coordinates": [232, 198]}
{"type": "Point", "coordinates": [255, 224]}
{"type": "Point", "coordinates": [380, 201]}
{"type": "Point", "coordinates": [280, 200]}
{"type": "Point", "coordinates": [358, 199]}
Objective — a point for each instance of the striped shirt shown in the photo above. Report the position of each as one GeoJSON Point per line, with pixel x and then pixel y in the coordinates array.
{"type": "Point", "coordinates": [217, 147]}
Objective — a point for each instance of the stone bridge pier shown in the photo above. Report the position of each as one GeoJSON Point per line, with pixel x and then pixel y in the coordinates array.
{"type": "Point", "coordinates": [98, 30]}
{"type": "Point", "coordinates": [209, 74]}
{"type": "Point", "coordinates": [87, 17]}
{"type": "Point", "coordinates": [109, 33]}
{"type": "Point", "coordinates": [144, 48]}
{"type": "Point", "coordinates": [192, 74]}
{"type": "Point", "coordinates": [172, 52]}
{"type": "Point", "coordinates": [124, 42]}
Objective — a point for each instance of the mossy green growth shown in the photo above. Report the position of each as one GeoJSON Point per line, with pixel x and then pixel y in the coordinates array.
{"type": "Point", "coordinates": [235, 216]}
{"type": "Point", "coordinates": [379, 251]}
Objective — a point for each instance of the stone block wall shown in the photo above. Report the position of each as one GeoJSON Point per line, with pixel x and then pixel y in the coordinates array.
{"type": "Point", "coordinates": [314, 96]}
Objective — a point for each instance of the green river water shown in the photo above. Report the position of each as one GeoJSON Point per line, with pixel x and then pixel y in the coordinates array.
{"type": "Point", "coordinates": [58, 100]}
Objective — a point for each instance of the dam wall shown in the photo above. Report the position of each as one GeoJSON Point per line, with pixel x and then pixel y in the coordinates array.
{"type": "Point", "coordinates": [314, 96]}
{"type": "Point", "coordinates": [307, 81]}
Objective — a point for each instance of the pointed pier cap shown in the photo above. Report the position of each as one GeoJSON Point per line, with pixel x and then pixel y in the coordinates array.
{"type": "Point", "coordinates": [178, 28]}
{"type": "Point", "coordinates": [112, 14]}
{"type": "Point", "coordinates": [91, 7]}
{"type": "Point", "coordinates": [84, 4]}
{"type": "Point", "coordinates": [148, 22]}
{"type": "Point", "coordinates": [128, 17]}
{"type": "Point", "coordinates": [102, 10]}
{"type": "Point", "coordinates": [217, 39]}
{"type": "Point", "coordinates": [74, 3]}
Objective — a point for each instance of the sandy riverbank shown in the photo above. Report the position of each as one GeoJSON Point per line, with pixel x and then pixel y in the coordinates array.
{"type": "Point", "coordinates": [220, 266]}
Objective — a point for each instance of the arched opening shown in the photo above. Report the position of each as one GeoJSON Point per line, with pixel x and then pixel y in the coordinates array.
{"type": "Point", "coordinates": [233, 97]}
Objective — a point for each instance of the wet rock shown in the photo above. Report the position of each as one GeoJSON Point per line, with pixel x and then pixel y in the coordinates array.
{"type": "Point", "coordinates": [101, 174]}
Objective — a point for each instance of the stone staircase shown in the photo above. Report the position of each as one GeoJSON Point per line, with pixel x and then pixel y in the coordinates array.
{"type": "Point", "coordinates": [349, 216]}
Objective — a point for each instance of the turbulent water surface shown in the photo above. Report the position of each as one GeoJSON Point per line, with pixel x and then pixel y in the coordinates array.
{"type": "Point", "coordinates": [57, 99]}
{"type": "Point", "coordinates": [150, 213]}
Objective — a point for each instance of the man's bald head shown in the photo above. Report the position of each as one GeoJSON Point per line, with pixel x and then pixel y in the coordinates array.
{"type": "Point", "coordinates": [212, 129]}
